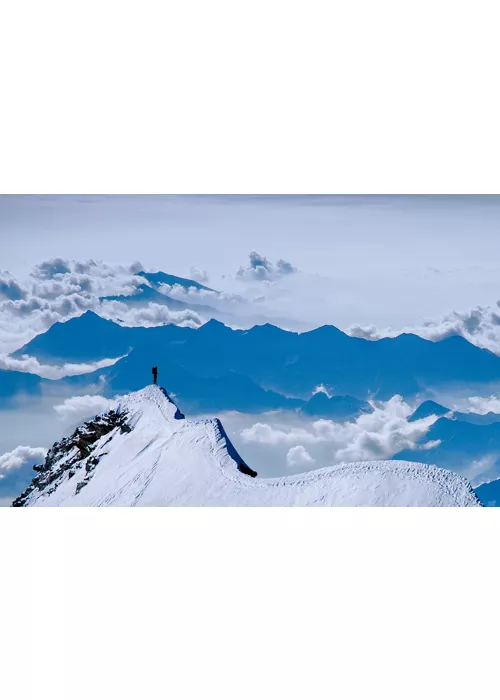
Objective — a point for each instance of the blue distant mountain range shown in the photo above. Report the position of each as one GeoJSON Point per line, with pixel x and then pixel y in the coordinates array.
{"type": "Point", "coordinates": [291, 364]}
{"type": "Point", "coordinates": [157, 278]}
{"type": "Point", "coordinates": [148, 293]}
{"type": "Point", "coordinates": [215, 368]}
{"type": "Point", "coordinates": [18, 384]}
{"type": "Point", "coordinates": [145, 294]}
{"type": "Point", "coordinates": [461, 442]}
{"type": "Point", "coordinates": [338, 408]}
{"type": "Point", "coordinates": [489, 493]}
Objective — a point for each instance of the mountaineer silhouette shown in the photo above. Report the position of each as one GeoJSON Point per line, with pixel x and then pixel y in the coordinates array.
{"type": "Point", "coordinates": [155, 374]}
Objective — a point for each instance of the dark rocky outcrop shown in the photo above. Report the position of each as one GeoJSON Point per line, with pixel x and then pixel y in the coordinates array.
{"type": "Point", "coordinates": [72, 455]}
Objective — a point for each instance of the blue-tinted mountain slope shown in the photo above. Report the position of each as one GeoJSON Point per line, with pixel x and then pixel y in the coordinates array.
{"type": "Point", "coordinates": [460, 443]}
{"type": "Point", "coordinates": [16, 384]}
{"type": "Point", "coordinates": [428, 408]}
{"type": "Point", "coordinates": [289, 363]}
{"type": "Point", "coordinates": [157, 278]}
{"type": "Point", "coordinates": [337, 408]}
{"type": "Point", "coordinates": [196, 393]}
{"type": "Point", "coordinates": [489, 493]}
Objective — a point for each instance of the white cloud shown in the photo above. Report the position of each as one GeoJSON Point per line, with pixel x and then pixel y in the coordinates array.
{"type": "Point", "coordinates": [298, 456]}
{"type": "Point", "coordinates": [50, 268]}
{"type": "Point", "coordinates": [483, 469]}
{"type": "Point", "coordinates": [321, 389]}
{"type": "Point", "coordinates": [223, 301]}
{"type": "Point", "coordinates": [61, 289]}
{"type": "Point", "coordinates": [10, 288]}
{"type": "Point", "coordinates": [366, 332]}
{"type": "Point", "coordinates": [200, 276]}
{"type": "Point", "coordinates": [57, 290]}
{"type": "Point", "coordinates": [260, 268]}
{"type": "Point", "coordinates": [20, 456]}
{"type": "Point", "coordinates": [378, 435]}
{"type": "Point", "coordinates": [80, 408]}
{"type": "Point", "coordinates": [480, 326]}
{"type": "Point", "coordinates": [69, 369]}
{"type": "Point", "coordinates": [484, 404]}
{"type": "Point", "coordinates": [150, 315]}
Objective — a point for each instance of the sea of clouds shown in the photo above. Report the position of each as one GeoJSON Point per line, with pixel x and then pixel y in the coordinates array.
{"type": "Point", "coordinates": [260, 291]}
{"type": "Point", "coordinates": [278, 443]}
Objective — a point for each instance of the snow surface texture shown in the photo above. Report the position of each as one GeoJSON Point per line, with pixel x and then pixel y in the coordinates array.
{"type": "Point", "coordinates": [154, 457]}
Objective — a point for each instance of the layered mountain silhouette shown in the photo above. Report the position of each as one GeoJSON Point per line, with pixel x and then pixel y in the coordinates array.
{"type": "Point", "coordinates": [461, 442]}
{"type": "Point", "coordinates": [87, 338]}
{"type": "Point", "coordinates": [428, 408]}
{"type": "Point", "coordinates": [489, 493]}
{"type": "Point", "coordinates": [17, 384]}
{"type": "Point", "coordinates": [158, 278]}
{"type": "Point", "coordinates": [290, 364]}
{"type": "Point", "coordinates": [145, 294]}
{"type": "Point", "coordinates": [431, 408]}
{"type": "Point", "coordinates": [337, 408]}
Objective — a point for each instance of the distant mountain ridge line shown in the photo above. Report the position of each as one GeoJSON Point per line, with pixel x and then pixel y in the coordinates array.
{"type": "Point", "coordinates": [269, 327]}
{"type": "Point", "coordinates": [287, 363]}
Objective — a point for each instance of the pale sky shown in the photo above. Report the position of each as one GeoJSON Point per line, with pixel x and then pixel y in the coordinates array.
{"type": "Point", "coordinates": [388, 259]}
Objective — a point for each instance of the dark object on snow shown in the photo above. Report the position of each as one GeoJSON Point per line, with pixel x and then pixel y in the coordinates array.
{"type": "Point", "coordinates": [68, 457]}
{"type": "Point", "coordinates": [155, 374]}
{"type": "Point", "coordinates": [245, 469]}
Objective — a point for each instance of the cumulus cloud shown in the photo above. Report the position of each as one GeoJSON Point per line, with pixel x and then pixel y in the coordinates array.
{"type": "Point", "coordinates": [10, 288]}
{"type": "Point", "coordinates": [378, 435]}
{"type": "Point", "coordinates": [224, 301]}
{"type": "Point", "coordinates": [200, 276]}
{"type": "Point", "coordinates": [322, 389]}
{"type": "Point", "coordinates": [69, 369]}
{"type": "Point", "coordinates": [150, 315]}
{"type": "Point", "coordinates": [480, 326]}
{"type": "Point", "coordinates": [484, 404]}
{"type": "Point", "coordinates": [61, 289]}
{"type": "Point", "coordinates": [484, 469]}
{"type": "Point", "coordinates": [260, 268]}
{"type": "Point", "coordinates": [58, 290]}
{"type": "Point", "coordinates": [20, 456]}
{"type": "Point", "coordinates": [50, 268]}
{"type": "Point", "coordinates": [366, 332]}
{"type": "Point", "coordinates": [80, 408]}
{"type": "Point", "coordinates": [100, 269]}
{"type": "Point", "coordinates": [298, 456]}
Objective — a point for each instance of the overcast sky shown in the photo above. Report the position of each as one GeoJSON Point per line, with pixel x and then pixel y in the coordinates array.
{"type": "Point", "coordinates": [388, 259]}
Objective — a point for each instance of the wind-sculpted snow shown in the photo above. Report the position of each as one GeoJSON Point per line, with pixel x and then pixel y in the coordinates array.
{"type": "Point", "coordinates": [145, 453]}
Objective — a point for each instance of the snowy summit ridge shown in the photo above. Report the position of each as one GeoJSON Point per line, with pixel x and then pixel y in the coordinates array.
{"type": "Point", "coordinates": [143, 452]}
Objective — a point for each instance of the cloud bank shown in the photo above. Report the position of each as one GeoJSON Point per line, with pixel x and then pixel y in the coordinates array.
{"type": "Point", "coordinates": [480, 326]}
{"type": "Point", "coordinates": [378, 435]}
{"type": "Point", "coordinates": [262, 291]}
{"type": "Point", "coordinates": [60, 289]}
{"type": "Point", "coordinates": [298, 456]}
{"type": "Point", "coordinates": [260, 268]}
{"type": "Point", "coordinates": [81, 408]}
{"type": "Point", "coordinates": [20, 456]}
{"type": "Point", "coordinates": [10, 288]}
{"type": "Point", "coordinates": [484, 404]}
{"type": "Point", "coordinates": [69, 369]}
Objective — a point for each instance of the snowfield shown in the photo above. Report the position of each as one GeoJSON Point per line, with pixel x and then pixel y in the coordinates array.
{"type": "Point", "coordinates": [154, 457]}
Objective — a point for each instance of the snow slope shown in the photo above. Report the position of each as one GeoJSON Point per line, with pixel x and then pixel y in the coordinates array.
{"type": "Point", "coordinates": [147, 454]}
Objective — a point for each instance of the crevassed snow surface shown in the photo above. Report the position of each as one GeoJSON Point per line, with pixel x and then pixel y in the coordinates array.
{"type": "Point", "coordinates": [169, 461]}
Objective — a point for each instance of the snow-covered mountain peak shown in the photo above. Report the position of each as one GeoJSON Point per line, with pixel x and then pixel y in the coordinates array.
{"type": "Point", "coordinates": [144, 452]}
{"type": "Point", "coordinates": [149, 407]}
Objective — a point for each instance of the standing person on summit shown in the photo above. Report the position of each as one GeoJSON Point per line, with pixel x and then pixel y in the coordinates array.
{"type": "Point", "coordinates": [155, 374]}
